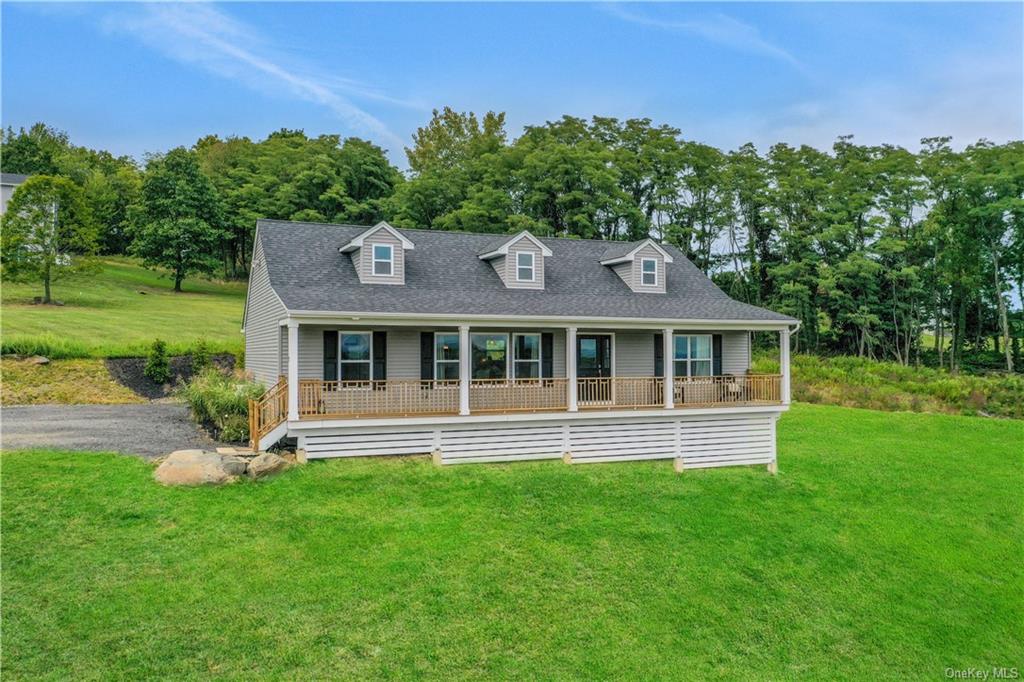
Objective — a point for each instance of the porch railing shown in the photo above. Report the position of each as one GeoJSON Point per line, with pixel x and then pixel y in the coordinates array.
{"type": "Point", "coordinates": [517, 395]}
{"type": "Point", "coordinates": [392, 397]}
{"type": "Point", "coordinates": [268, 411]}
{"type": "Point", "coordinates": [411, 397]}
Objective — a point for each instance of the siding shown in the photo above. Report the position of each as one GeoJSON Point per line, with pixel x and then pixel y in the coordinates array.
{"type": "Point", "coordinates": [362, 259]}
{"type": "Point", "coordinates": [524, 245]}
{"type": "Point", "coordinates": [735, 352]}
{"type": "Point", "coordinates": [634, 354]}
{"type": "Point", "coordinates": [631, 274]}
{"type": "Point", "coordinates": [263, 313]}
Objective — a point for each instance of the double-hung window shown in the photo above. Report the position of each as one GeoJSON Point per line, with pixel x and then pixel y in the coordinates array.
{"type": "Point", "coordinates": [354, 358]}
{"type": "Point", "coordinates": [446, 356]}
{"type": "Point", "coordinates": [383, 259]}
{"type": "Point", "coordinates": [692, 355]}
{"type": "Point", "coordinates": [526, 361]}
{"type": "Point", "coordinates": [489, 356]}
{"type": "Point", "coordinates": [524, 266]}
{"type": "Point", "coordinates": [649, 272]}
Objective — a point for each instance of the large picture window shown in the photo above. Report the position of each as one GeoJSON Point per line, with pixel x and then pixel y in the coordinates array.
{"type": "Point", "coordinates": [693, 355]}
{"type": "Point", "coordinates": [354, 356]}
{"type": "Point", "coordinates": [526, 356]}
{"type": "Point", "coordinates": [383, 259]}
{"type": "Point", "coordinates": [649, 272]}
{"type": "Point", "coordinates": [490, 356]}
{"type": "Point", "coordinates": [446, 356]}
{"type": "Point", "coordinates": [524, 267]}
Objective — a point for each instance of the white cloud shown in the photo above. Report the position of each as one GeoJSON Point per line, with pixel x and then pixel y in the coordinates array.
{"type": "Point", "coordinates": [968, 98]}
{"type": "Point", "coordinates": [715, 28]}
{"type": "Point", "coordinates": [202, 36]}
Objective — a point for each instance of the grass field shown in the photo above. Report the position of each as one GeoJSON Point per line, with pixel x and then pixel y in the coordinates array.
{"type": "Point", "coordinates": [61, 381]}
{"type": "Point", "coordinates": [107, 315]}
{"type": "Point", "coordinates": [890, 545]}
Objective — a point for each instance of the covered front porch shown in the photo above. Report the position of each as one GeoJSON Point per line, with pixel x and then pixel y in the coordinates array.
{"type": "Point", "coordinates": [384, 372]}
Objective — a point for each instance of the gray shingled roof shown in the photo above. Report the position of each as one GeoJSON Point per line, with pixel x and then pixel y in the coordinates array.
{"type": "Point", "coordinates": [12, 178]}
{"type": "Point", "coordinates": [444, 275]}
{"type": "Point", "coordinates": [620, 249]}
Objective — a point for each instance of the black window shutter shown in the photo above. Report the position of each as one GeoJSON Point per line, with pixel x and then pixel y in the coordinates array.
{"type": "Point", "coordinates": [547, 355]}
{"type": "Point", "coordinates": [716, 354]}
{"type": "Point", "coordinates": [380, 356]}
{"type": "Point", "coordinates": [659, 355]}
{"type": "Point", "coordinates": [426, 356]}
{"type": "Point", "coordinates": [330, 355]}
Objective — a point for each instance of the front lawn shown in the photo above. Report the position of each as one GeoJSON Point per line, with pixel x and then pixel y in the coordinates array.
{"type": "Point", "coordinates": [890, 545]}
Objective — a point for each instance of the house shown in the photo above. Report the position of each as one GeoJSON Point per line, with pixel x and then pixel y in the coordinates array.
{"type": "Point", "coordinates": [486, 348]}
{"type": "Point", "coordinates": [8, 183]}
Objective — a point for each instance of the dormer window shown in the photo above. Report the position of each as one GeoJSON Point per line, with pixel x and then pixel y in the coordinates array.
{"type": "Point", "coordinates": [517, 260]}
{"type": "Point", "coordinates": [649, 272]}
{"type": "Point", "coordinates": [524, 267]}
{"type": "Point", "coordinates": [383, 260]}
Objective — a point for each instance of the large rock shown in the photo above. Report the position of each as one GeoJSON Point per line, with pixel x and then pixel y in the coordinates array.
{"type": "Point", "coordinates": [233, 465]}
{"type": "Point", "coordinates": [193, 467]}
{"type": "Point", "coordinates": [266, 464]}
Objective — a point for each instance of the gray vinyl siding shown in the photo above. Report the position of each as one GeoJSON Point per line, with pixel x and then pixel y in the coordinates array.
{"type": "Point", "coordinates": [630, 271]}
{"type": "Point", "coordinates": [634, 354]}
{"type": "Point", "coordinates": [524, 245]}
{"type": "Point", "coordinates": [735, 352]}
{"type": "Point", "coordinates": [362, 259]}
{"type": "Point", "coordinates": [403, 354]}
{"type": "Point", "coordinates": [263, 314]}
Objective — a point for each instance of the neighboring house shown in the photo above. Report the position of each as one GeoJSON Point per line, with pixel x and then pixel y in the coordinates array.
{"type": "Point", "coordinates": [480, 347]}
{"type": "Point", "coordinates": [8, 182]}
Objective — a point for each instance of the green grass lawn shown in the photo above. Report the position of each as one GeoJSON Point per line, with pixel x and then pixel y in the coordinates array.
{"type": "Point", "coordinates": [105, 315]}
{"type": "Point", "coordinates": [890, 545]}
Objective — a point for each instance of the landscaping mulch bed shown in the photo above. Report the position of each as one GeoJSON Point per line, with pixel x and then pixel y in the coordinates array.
{"type": "Point", "coordinates": [129, 372]}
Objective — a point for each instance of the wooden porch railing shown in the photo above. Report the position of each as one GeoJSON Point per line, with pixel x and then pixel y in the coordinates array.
{"type": "Point", "coordinates": [517, 395]}
{"type": "Point", "coordinates": [750, 388]}
{"type": "Point", "coordinates": [268, 411]}
{"type": "Point", "coordinates": [393, 398]}
{"type": "Point", "coordinates": [413, 397]}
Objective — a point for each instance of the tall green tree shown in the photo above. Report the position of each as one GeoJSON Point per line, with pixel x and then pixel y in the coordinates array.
{"type": "Point", "coordinates": [48, 232]}
{"type": "Point", "coordinates": [179, 226]}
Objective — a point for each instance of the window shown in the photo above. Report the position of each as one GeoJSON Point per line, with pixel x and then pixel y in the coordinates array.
{"type": "Point", "coordinates": [524, 267]}
{"type": "Point", "coordinates": [692, 355]}
{"type": "Point", "coordinates": [383, 259]}
{"type": "Point", "coordinates": [649, 272]}
{"type": "Point", "coordinates": [355, 356]}
{"type": "Point", "coordinates": [526, 356]}
{"type": "Point", "coordinates": [490, 356]}
{"type": "Point", "coordinates": [446, 356]}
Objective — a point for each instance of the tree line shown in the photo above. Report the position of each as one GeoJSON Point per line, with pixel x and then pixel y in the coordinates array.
{"type": "Point", "coordinates": [871, 247]}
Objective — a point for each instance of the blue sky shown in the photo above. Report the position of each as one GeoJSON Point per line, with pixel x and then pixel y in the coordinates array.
{"type": "Point", "coordinates": [136, 78]}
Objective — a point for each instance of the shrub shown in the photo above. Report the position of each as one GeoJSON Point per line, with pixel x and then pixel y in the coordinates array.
{"type": "Point", "coordinates": [220, 402]}
{"type": "Point", "coordinates": [200, 356]}
{"type": "Point", "coordinates": [158, 367]}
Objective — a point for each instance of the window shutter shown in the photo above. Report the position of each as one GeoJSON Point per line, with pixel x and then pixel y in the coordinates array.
{"type": "Point", "coordinates": [427, 356]}
{"type": "Point", "coordinates": [380, 356]}
{"type": "Point", "coordinates": [330, 355]}
{"type": "Point", "coordinates": [547, 355]}
{"type": "Point", "coordinates": [716, 354]}
{"type": "Point", "coordinates": [659, 355]}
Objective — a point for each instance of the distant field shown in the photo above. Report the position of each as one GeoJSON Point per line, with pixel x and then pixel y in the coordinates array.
{"type": "Point", "coordinates": [119, 311]}
{"type": "Point", "coordinates": [889, 546]}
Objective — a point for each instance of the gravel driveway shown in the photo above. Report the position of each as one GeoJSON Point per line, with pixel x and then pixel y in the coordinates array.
{"type": "Point", "coordinates": [150, 430]}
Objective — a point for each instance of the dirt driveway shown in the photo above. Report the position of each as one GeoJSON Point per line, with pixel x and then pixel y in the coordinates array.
{"type": "Point", "coordinates": [149, 430]}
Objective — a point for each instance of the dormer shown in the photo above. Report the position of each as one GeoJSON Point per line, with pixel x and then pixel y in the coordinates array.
{"type": "Point", "coordinates": [378, 254]}
{"type": "Point", "coordinates": [519, 261]}
{"type": "Point", "coordinates": [641, 265]}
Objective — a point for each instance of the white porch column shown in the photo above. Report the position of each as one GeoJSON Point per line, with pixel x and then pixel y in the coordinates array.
{"type": "Point", "coordinates": [784, 363]}
{"type": "Point", "coordinates": [570, 368]}
{"type": "Point", "coordinates": [464, 353]}
{"type": "Point", "coordinates": [668, 369]}
{"type": "Point", "coordinates": [293, 370]}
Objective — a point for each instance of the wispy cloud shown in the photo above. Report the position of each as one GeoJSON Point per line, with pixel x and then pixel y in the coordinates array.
{"type": "Point", "coordinates": [715, 28]}
{"type": "Point", "coordinates": [203, 36]}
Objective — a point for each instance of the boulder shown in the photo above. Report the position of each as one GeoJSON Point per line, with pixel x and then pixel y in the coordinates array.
{"type": "Point", "coordinates": [234, 466]}
{"type": "Point", "coordinates": [193, 467]}
{"type": "Point", "coordinates": [39, 360]}
{"type": "Point", "coordinates": [265, 464]}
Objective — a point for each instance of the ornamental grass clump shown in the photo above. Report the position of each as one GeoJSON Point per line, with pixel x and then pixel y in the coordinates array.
{"type": "Point", "coordinates": [220, 402]}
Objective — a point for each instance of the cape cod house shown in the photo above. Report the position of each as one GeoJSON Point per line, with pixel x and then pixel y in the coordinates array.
{"type": "Point", "coordinates": [482, 347]}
